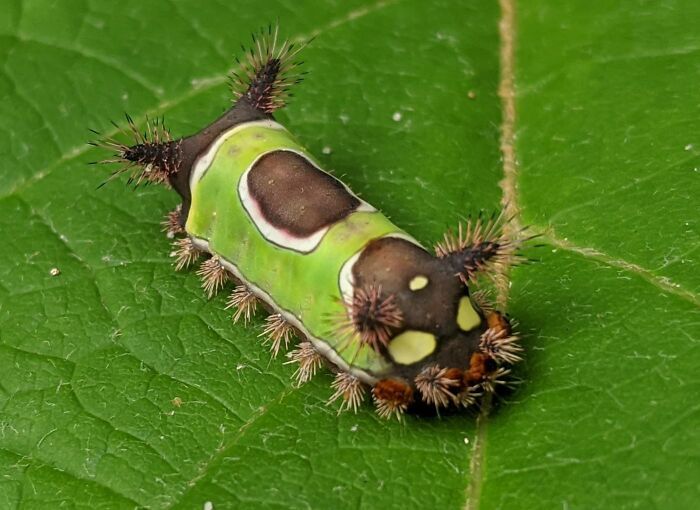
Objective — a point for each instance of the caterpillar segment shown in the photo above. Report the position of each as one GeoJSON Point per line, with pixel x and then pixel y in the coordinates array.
{"type": "Point", "coordinates": [391, 319]}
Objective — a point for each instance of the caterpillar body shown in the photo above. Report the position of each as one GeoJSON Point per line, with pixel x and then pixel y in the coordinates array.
{"type": "Point", "coordinates": [359, 293]}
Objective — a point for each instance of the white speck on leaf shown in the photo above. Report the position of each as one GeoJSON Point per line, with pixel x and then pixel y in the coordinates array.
{"type": "Point", "coordinates": [396, 117]}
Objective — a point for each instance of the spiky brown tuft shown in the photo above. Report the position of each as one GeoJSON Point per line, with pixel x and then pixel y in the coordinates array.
{"type": "Point", "coordinates": [439, 386]}
{"type": "Point", "coordinates": [482, 300]}
{"type": "Point", "coordinates": [276, 331]}
{"type": "Point", "coordinates": [373, 316]}
{"type": "Point", "coordinates": [469, 396]}
{"type": "Point", "coordinates": [267, 71]}
{"type": "Point", "coordinates": [499, 345]}
{"type": "Point", "coordinates": [481, 245]}
{"type": "Point", "coordinates": [350, 389]}
{"type": "Point", "coordinates": [244, 302]}
{"type": "Point", "coordinates": [184, 252]}
{"type": "Point", "coordinates": [308, 359]}
{"type": "Point", "coordinates": [152, 157]}
{"type": "Point", "coordinates": [392, 398]}
{"type": "Point", "coordinates": [173, 223]}
{"type": "Point", "coordinates": [495, 379]}
{"type": "Point", "coordinates": [213, 275]}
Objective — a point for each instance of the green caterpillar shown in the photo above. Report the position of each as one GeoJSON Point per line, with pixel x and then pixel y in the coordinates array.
{"type": "Point", "coordinates": [361, 295]}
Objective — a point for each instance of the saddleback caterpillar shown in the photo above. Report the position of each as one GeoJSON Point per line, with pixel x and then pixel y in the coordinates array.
{"type": "Point", "coordinates": [360, 295]}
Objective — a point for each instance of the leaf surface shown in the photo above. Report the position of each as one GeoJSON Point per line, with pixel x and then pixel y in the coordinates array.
{"type": "Point", "coordinates": [122, 387]}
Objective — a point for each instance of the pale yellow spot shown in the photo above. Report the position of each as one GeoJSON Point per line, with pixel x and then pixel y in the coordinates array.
{"type": "Point", "coordinates": [467, 318]}
{"type": "Point", "coordinates": [411, 346]}
{"type": "Point", "coordinates": [418, 282]}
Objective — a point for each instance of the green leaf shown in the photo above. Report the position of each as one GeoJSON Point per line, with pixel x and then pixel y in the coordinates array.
{"type": "Point", "coordinates": [122, 387]}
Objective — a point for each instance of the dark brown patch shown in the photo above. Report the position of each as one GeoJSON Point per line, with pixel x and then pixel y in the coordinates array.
{"type": "Point", "coordinates": [391, 263]}
{"type": "Point", "coordinates": [295, 196]}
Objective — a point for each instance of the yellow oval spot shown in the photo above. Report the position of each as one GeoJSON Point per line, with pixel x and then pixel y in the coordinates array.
{"type": "Point", "coordinates": [467, 318]}
{"type": "Point", "coordinates": [418, 282]}
{"type": "Point", "coordinates": [411, 346]}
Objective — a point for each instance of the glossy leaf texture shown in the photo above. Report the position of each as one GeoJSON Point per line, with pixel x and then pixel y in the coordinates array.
{"type": "Point", "coordinates": [121, 386]}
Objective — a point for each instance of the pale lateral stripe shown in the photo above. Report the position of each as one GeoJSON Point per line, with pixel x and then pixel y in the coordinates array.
{"type": "Point", "coordinates": [321, 346]}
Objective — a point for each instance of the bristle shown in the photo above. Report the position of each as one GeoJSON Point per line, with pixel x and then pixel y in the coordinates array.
{"type": "Point", "coordinates": [469, 396]}
{"type": "Point", "coordinates": [482, 245]}
{"type": "Point", "coordinates": [391, 398]}
{"type": "Point", "coordinates": [496, 379]}
{"type": "Point", "coordinates": [372, 316]}
{"type": "Point", "coordinates": [350, 389]}
{"type": "Point", "coordinates": [437, 387]}
{"type": "Point", "coordinates": [388, 408]}
{"type": "Point", "coordinates": [267, 71]}
{"type": "Point", "coordinates": [482, 300]}
{"type": "Point", "coordinates": [173, 224]}
{"type": "Point", "coordinates": [152, 156]}
{"type": "Point", "coordinates": [308, 359]}
{"type": "Point", "coordinates": [473, 233]}
{"type": "Point", "coordinates": [213, 275]}
{"type": "Point", "coordinates": [277, 330]}
{"type": "Point", "coordinates": [245, 303]}
{"type": "Point", "coordinates": [185, 253]}
{"type": "Point", "coordinates": [500, 346]}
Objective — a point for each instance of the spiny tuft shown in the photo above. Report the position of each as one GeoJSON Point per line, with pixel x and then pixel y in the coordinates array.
{"type": "Point", "coordinates": [185, 253]}
{"type": "Point", "coordinates": [499, 345]}
{"type": "Point", "coordinates": [277, 330]}
{"type": "Point", "coordinates": [213, 274]}
{"type": "Point", "coordinates": [438, 386]}
{"type": "Point", "coordinates": [152, 156]}
{"type": "Point", "coordinates": [309, 361]}
{"type": "Point", "coordinates": [372, 315]}
{"type": "Point", "coordinates": [267, 71]}
{"type": "Point", "coordinates": [350, 389]}
{"type": "Point", "coordinates": [245, 303]}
